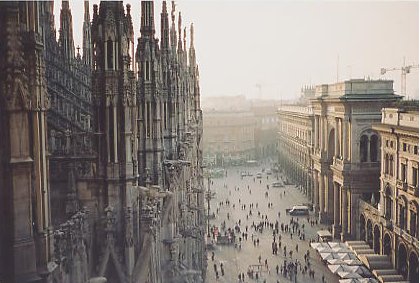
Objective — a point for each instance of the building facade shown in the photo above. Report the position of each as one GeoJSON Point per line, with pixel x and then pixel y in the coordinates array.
{"type": "Point", "coordinates": [229, 134]}
{"type": "Point", "coordinates": [26, 244]}
{"type": "Point", "coordinates": [346, 159]}
{"type": "Point", "coordinates": [344, 151]}
{"type": "Point", "coordinates": [389, 221]}
{"type": "Point", "coordinates": [295, 144]}
{"type": "Point", "coordinates": [265, 134]}
{"type": "Point", "coordinates": [120, 132]}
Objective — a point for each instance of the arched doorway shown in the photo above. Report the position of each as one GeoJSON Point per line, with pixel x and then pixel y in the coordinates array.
{"type": "Point", "coordinates": [402, 260]}
{"type": "Point", "coordinates": [362, 228]}
{"type": "Point", "coordinates": [413, 265]}
{"type": "Point", "coordinates": [376, 240]}
{"type": "Point", "coordinates": [387, 245]}
{"type": "Point", "coordinates": [369, 234]}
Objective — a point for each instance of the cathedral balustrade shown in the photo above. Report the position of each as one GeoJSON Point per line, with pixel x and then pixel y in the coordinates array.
{"type": "Point", "coordinates": [71, 238]}
{"type": "Point", "coordinates": [407, 237]}
{"type": "Point", "coordinates": [413, 190]}
{"type": "Point", "coordinates": [402, 185]}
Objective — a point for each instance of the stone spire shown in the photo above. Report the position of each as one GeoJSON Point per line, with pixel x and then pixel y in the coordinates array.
{"type": "Point", "coordinates": [147, 27]}
{"type": "Point", "coordinates": [66, 31]}
{"type": "Point", "coordinates": [87, 37]}
{"type": "Point", "coordinates": [164, 25]}
{"type": "Point", "coordinates": [192, 59]}
{"type": "Point", "coordinates": [173, 29]}
{"type": "Point", "coordinates": [179, 32]}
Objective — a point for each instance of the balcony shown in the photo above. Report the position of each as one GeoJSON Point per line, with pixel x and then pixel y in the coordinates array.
{"type": "Point", "coordinates": [406, 236]}
{"type": "Point", "coordinates": [402, 185]}
{"type": "Point", "coordinates": [413, 190]}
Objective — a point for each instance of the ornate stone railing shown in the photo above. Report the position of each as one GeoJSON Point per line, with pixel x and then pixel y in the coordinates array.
{"type": "Point", "coordinates": [404, 234]}
{"type": "Point", "coordinates": [413, 190]}
{"type": "Point", "coordinates": [402, 185]}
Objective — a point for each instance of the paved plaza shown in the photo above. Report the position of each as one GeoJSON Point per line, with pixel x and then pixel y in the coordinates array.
{"type": "Point", "coordinates": [236, 259]}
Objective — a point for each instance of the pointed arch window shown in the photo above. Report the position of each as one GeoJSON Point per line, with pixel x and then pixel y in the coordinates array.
{"type": "Point", "coordinates": [110, 54]}
{"type": "Point", "coordinates": [147, 71]}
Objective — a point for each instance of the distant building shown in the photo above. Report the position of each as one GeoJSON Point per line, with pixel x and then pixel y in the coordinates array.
{"type": "Point", "coordinates": [389, 222]}
{"type": "Point", "coordinates": [265, 133]}
{"type": "Point", "coordinates": [295, 144]}
{"type": "Point", "coordinates": [228, 135]}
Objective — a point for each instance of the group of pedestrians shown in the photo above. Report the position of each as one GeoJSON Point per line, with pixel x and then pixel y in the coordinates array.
{"type": "Point", "coordinates": [291, 267]}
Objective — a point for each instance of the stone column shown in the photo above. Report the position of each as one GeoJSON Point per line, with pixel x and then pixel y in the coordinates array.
{"type": "Point", "coordinates": [345, 142]}
{"type": "Point", "coordinates": [321, 133]}
{"type": "Point", "coordinates": [316, 190]}
{"type": "Point", "coordinates": [336, 228]}
{"type": "Point", "coordinates": [340, 138]}
{"type": "Point", "coordinates": [316, 134]}
{"type": "Point", "coordinates": [336, 140]}
{"type": "Point", "coordinates": [344, 214]}
{"type": "Point", "coordinates": [115, 134]}
{"type": "Point", "coordinates": [321, 197]}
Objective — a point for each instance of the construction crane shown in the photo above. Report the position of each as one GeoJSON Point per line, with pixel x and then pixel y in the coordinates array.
{"type": "Point", "coordinates": [404, 71]}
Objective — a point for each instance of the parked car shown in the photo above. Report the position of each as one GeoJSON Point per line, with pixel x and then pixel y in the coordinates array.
{"type": "Point", "coordinates": [268, 172]}
{"type": "Point", "coordinates": [298, 210]}
{"type": "Point", "coordinates": [259, 175]}
{"type": "Point", "coordinates": [277, 185]}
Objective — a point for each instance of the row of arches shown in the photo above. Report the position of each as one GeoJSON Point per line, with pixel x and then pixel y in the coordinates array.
{"type": "Point", "coordinates": [406, 262]}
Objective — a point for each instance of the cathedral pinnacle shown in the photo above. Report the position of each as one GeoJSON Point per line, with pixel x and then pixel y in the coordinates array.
{"type": "Point", "coordinates": [179, 32]}
{"type": "Point", "coordinates": [147, 27]}
{"type": "Point", "coordinates": [164, 26]}
{"type": "Point", "coordinates": [192, 35]}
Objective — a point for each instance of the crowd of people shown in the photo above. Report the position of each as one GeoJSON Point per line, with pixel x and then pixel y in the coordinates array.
{"type": "Point", "coordinates": [289, 263]}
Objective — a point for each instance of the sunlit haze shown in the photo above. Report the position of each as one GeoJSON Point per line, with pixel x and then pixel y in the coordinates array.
{"type": "Point", "coordinates": [284, 45]}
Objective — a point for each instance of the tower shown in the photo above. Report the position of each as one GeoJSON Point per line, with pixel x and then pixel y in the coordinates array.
{"type": "Point", "coordinates": [25, 228]}
{"type": "Point", "coordinates": [87, 37]}
{"type": "Point", "coordinates": [150, 100]}
{"type": "Point", "coordinates": [115, 125]}
{"type": "Point", "coordinates": [66, 31]}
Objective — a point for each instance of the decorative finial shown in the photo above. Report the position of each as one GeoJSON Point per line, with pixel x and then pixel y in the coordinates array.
{"type": "Point", "coordinates": [173, 12]}
{"type": "Point", "coordinates": [192, 34]}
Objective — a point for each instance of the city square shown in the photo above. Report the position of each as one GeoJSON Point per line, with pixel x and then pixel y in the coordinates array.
{"type": "Point", "coordinates": [209, 141]}
{"type": "Point", "coordinates": [236, 260]}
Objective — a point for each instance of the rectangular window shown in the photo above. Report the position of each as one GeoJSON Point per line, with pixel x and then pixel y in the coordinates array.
{"type": "Point", "coordinates": [403, 172]}
{"type": "Point", "coordinates": [416, 149]}
{"type": "Point", "coordinates": [415, 181]}
{"type": "Point", "coordinates": [404, 146]}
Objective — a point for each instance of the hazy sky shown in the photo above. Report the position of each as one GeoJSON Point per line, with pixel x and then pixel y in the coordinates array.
{"type": "Point", "coordinates": [283, 45]}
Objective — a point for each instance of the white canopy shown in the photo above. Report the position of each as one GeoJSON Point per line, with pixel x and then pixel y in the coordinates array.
{"type": "Point", "coordinates": [345, 261]}
{"type": "Point", "coordinates": [348, 275]}
{"type": "Point", "coordinates": [327, 256]}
